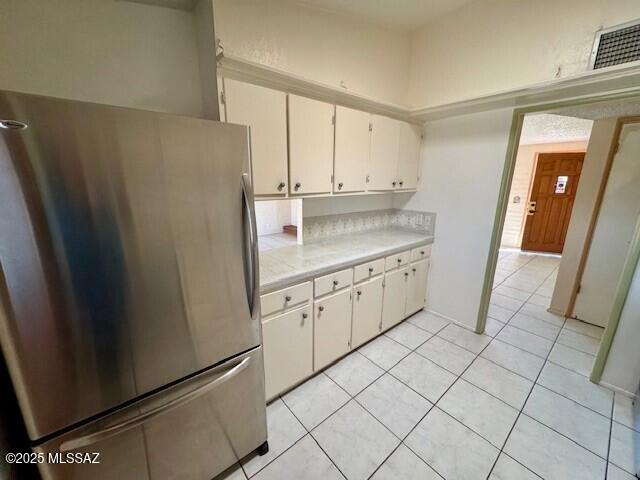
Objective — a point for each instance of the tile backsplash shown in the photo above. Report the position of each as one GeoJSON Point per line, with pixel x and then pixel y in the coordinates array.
{"type": "Point", "coordinates": [317, 228]}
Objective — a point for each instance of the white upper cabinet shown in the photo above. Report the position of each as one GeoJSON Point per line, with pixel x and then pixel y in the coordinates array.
{"type": "Point", "coordinates": [408, 156]}
{"type": "Point", "coordinates": [352, 150]}
{"type": "Point", "coordinates": [310, 146]}
{"type": "Point", "coordinates": [265, 112]}
{"type": "Point", "coordinates": [383, 164]}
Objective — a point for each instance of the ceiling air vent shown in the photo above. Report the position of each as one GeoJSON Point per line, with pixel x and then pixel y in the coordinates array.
{"type": "Point", "coordinates": [616, 45]}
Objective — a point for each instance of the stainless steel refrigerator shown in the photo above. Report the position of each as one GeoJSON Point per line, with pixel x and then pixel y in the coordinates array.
{"type": "Point", "coordinates": [129, 289]}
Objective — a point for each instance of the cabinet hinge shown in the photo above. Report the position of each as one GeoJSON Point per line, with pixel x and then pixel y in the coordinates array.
{"type": "Point", "coordinates": [383, 284]}
{"type": "Point", "coordinates": [223, 100]}
{"type": "Point", "coordinates": [579, 288]}
{"type": "Point", "coordinates": [367, 179]}
{"type": "Point", "coordinates": [331, 178]}
{"type": "Point", "coordinates": [333, 119]}
{"type": "Point", "coordinates": [371, 127]}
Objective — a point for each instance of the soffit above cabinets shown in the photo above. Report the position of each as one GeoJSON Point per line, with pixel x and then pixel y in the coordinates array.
{"type": "Point", "coordinates": [403, 15]}
{"type": "Point", "coordinates": [187, 5]}
{"type": "Point", "coordinates": [620, 79]}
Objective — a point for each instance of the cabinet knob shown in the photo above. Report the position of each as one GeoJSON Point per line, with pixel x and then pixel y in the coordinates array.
{"type": "Point", "coordinates": [335, 283]}
{"type": "Point", "coordinates": [393, 183]}
{"type": "Point", "coordinates": [340, 186]}
{"type": "Point", "coordinates": [321, 308]}
{"type": "Point", "coordinates": [359, 292]}
{"type": "Point", "coordinates": [297, 186]}
{"type": "Point", "coordinates": [399, 260]}
{"type": "Point", "coordinates": [281, 185]}
{"type": "Point", "coordinates": [413, 269]}
{"type": "Point", "coordinates": [287, 298]}
{"type": "Point", "coordinates": [400, 182]}
{"type": "Point", "coordinates": [421, 252]}
{"type": "Point", "coordinates": [406, 274]}
{"type": "Point", "coordinates": [370, 269]}
{"type": "Point", "coordinates": [304, 315]}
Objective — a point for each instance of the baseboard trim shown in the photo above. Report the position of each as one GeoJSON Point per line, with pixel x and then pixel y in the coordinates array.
{"type": "Point", "coordinates": [619, 390]}
{"type": "Point", "coordinates": [450, 319]}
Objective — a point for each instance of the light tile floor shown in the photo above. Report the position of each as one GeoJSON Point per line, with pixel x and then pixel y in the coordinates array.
{"type": "Point", "coordinates": [431, 400]}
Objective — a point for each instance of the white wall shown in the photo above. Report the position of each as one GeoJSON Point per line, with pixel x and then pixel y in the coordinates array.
{"type": "Point", "coordinates": [617, 216]}
{"type": "Point", "coordinates": [521, 185]}
{"type": "Point", "coordinates": [272, 215]}
{"type": "Point", "coordinates": [584, 205]}
{"type": "Point", "coordinates": [623, 365]}
{"type": "Point", "coordinates": [317, 45]}
{"type": "Point", "coordinates": [462, 159]}
{"type": "Point", "coordinates": [494, 45]}
{"type": "Point", "coordinates": [313, 207]}
{"type": "Point", "coordinates": [104, 51]}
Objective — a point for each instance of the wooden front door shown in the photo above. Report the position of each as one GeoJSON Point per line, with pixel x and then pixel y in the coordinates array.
{"type": "Point", "coordinates": [552, 195]}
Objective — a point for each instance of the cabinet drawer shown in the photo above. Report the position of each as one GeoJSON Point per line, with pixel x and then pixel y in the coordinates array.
{"type": "Point", "coordinates": [288, 349]}
{"type": "Point", "coordinates": [397, 260]}
{"type": "Point", "coordinates": [333, 282]}
{"type": "Point", "coordinates": [368, 270]}
{"type": "Point", "coordinates": [285, 298]}
{"type": "Point", "coordinates": [420, 253]}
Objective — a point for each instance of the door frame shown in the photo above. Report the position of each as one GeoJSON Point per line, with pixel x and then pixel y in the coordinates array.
{"type": "Point", "coordinates": [622, 121]}
{"type": "Point", "coordinates": [532, 183]}
{"type": "Point", "coordinates": [503, 197]}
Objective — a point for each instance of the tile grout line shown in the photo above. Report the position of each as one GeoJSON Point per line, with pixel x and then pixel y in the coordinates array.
{"type": "Point", "coordinates": [606, 467]}
{"type": "Point", "coordinates": [388, 371]}
{"type": "Point", "coordinates": [351, 397]}
{"type": "Point", "coordinates": [435, 404]}
{"type": "Point", "coordinates": [535, 382]}
{"type": "Point", "coordinates": [309, 433]}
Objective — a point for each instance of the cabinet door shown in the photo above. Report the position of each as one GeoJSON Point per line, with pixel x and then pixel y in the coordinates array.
{"type": "Point", "coordinates": [352, 150]}
{"type": "Point", "coordinates": [265, 112]}
{"type": "Point", "coordinates": [383, 164]}
{"type": "Point", "coordinates": [310, 145]}
{"type": "Point", "coordinates": [288, 346]}
{"type": "Point", "coordinates": [395, 295]}
{"type": "Point", "coordinates": [417, 286]}
{"type": "Point", "coordinates": [332, 328]}
{"type": "Point", "coordinates": [367, 311]}
{"type": "Point", "coordinates": [408, 156]}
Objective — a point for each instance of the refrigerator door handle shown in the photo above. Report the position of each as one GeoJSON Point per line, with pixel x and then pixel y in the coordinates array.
{"type": "Point", "coordinates": [120, 427]}
{"type": "Point", "coordinates": [253, 282]}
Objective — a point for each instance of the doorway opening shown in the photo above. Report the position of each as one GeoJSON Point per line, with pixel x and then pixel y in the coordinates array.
{"type": "Point", "coordinates": [541, 197]}
{"type": "Point", "coordinates": [279, 223]}
{"type": "Point", "coordinates": [557, 277]}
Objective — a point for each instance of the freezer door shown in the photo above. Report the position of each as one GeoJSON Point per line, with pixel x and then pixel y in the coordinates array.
{"type": "Point", "coordinates": [194, 431]}
{"type": "Point", "coordinates": [128, 253]}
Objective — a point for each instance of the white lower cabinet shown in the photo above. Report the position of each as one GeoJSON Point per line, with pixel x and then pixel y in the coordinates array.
{"type": "Point", "coordinates": [332, 328]}
{"type": "Point", "coordinates": [395, 297]}
{"type": "Point", "coordinates": [416, 286]}
{"type": "Point", "coordinates": [366, 322]}
{"type": "Point", "coordinates": [312, 324]}
{"type": "Point", "coordinates": [288, 346]}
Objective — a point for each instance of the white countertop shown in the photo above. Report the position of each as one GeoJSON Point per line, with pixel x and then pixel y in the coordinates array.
{"type": "Point", "coordinates": [285, 266]}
